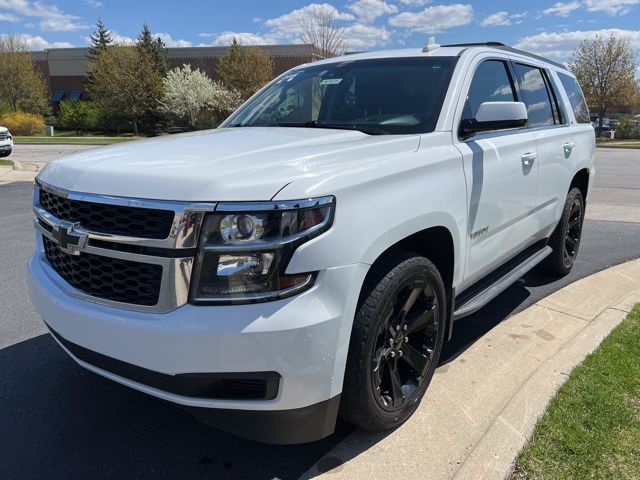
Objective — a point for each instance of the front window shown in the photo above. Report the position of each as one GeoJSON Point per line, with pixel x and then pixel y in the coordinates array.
{"type": "Point", "coordinates": [378, 96]}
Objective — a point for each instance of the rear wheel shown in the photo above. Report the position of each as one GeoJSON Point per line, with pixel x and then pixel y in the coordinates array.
{"type": "Point", "coordinates": [396, 342]}
{"type": "Point", "coordinates": [565, 240]}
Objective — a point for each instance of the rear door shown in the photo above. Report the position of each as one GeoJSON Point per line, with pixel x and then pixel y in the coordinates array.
{"type": "Point", "coordinates": [555, 141]}
{"type": "Point", "coordinates": [501, 173]}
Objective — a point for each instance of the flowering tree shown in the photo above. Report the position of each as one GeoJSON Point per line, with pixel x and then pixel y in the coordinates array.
{"type": "Point", "coordinates": [188, 93]}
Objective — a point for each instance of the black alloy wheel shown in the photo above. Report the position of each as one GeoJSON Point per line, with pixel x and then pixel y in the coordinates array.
{"type": "Point", "coordinates": [405, 345]}
{"type": "Point", "coordinates": [573, 231]}
{"type": "Point", "coordinates": [565, 240]}
{"type": "Point", "coordinates": [397, 336]}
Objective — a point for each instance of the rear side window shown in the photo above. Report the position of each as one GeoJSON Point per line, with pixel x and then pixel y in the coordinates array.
{"type": "Point", "coordinates": [576, 98]}
{"type": "Point", "coordinates": [541, 106]}
{"type": "Point", "coordinates": [491, 83]}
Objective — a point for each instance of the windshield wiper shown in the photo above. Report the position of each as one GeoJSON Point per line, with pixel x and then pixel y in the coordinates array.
{"type": "Point", "coordinates": [338, 126]}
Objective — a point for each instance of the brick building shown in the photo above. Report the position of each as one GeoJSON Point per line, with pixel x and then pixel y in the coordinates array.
{"type": "Point", "coordinates": [64, 69]}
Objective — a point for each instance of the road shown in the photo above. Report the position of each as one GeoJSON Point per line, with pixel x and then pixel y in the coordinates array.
{"type": "Point", "coordinates": [59, 421]}
{"type": "Point", "coordinates": [39, 155]}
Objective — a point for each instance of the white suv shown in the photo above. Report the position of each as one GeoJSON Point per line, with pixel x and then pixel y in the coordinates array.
{"type": "Point", "coordinates": [308, 258]}
{"type": "Point", "coordinates": [6, 142]}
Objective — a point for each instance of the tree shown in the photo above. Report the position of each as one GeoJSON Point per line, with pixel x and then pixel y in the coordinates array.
{"type": "Point", "coordinates": [319, 29]}
{"type": "Point", "coordinates": [126, 84]}
{"type": "Point", "coordinates": [188, 93]}
{"type": "Point", "coordinates": [100, 39]}
{"type": "Point", "coordinates": [154, 48]}
{"type": "Point", "coordinates": [245, 69]}
{"type": "Point", "coordinates": [74, 115]}
{"type": "Point", "coordinates": [21, 84]}
{"type": "Point", "coordinates": [606, 70]}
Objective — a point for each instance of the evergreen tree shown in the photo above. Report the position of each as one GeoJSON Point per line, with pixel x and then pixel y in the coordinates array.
{"type": "Point", "coordinates": [153, 49]}
{"type": "Point", "coordinates": [100, 39]}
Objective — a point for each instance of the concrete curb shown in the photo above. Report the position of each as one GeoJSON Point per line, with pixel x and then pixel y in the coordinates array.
{"type": "Point", "coordinates": [483, 406]}
{"type": "Point", "coordinates": [10, 175]}
{"type": "Point", "coordinates": [27, 167]}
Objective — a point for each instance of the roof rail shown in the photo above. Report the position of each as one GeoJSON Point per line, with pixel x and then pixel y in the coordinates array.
{"type": "Point", "coordinates": [476, 44]}
{"type": "Point", "coordinates": [506, 48]}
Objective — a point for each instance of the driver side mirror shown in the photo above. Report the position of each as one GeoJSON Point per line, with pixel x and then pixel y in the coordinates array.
{"type": "Point", "coordinates": [496, 116]}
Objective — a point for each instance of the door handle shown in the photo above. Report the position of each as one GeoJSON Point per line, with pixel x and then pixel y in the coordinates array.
{"type": "Point", "coordinates": [528, 158]}
{"type": "Point", "coordinates": [568, 147]}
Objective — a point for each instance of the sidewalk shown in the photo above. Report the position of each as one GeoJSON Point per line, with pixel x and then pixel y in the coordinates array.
{"type": "Point", "coordinates": [482, 406]}
{"type": "Point", "coordinates": [9, 175]}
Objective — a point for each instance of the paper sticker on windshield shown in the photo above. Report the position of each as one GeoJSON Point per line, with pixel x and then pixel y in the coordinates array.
{"type": "Point", "coordinates": [331, 81]}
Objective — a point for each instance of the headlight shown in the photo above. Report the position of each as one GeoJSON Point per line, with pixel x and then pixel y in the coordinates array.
{"type": "Point", "coordinates": [245, 248]}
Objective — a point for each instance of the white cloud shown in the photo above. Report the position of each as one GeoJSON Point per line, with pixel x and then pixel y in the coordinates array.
{"type": "Point", "coordinates": [171, 42]}
{"type": "Point", "coordinates": [362, 37]}
{"type": "Point", "coordinates": [94, 3]}
{"type": "Point", "coordinates": [287, 27]}
{"type": "Point", "coordinates": [415, 3]}
{"type": "Point", "coordinates": [36, 42]}
{"type": "Point", "coordinates": [51, 17]}
{"type": "Point", "coordinates": [560, 45]}
{"type": "Point", "coordinates": [245, 38]}
{"type": "Point", "coordinates": [612, 7]}
{"type": "Point", "coordinates": [495, 19]}
{"type": "Point", "coordinates": [562, 9]}
{"type": "Point", "coordinates": [434, 19]}
{"type": "Point", "coordinates": [9, 17]}
{"type": "Point", "coordinates": [368, 10]}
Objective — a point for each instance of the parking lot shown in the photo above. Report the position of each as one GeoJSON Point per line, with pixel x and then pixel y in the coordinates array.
{"type": "Point", "coordinates": [59, 421]}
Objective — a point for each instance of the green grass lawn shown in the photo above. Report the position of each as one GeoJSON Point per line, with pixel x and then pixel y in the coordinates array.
{"type": "Point", "coordinates": [619, 143]}
{"type": "Point", "coordinates": [82, 140]}
{"type": "Point", "coordinates": [5, 163]}
{"type": "Point", "coordinates": [591, 429]}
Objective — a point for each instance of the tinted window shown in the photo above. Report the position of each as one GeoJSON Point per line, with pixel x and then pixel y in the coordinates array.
{"type": "Point", "coordinates": [576, 98]}
{"type": "Point", "coordinates": [381, 96]}
{"type": "Point", "coordinates": [491, 83]}
{"type": "Point", "coordinates": [536, 96]}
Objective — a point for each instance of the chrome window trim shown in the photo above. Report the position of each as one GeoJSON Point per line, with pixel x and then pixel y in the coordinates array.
{"type": "Point", "coordinates": [185, 228]}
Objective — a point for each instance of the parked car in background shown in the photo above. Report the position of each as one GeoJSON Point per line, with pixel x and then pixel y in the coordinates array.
{"type": "Point", "coordinates": [6, 142]}
{"type": "Point", "coordinates": [308, 258]}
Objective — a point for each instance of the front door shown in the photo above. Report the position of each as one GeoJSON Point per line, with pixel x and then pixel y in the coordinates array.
{"type": "Point", "coordinates": [501, 171]}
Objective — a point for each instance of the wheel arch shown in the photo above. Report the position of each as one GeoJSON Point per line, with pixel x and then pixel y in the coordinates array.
{"type": "Point", "coordinates": [438, 244]}
{"type": "Point", "coordinates": [581, 181]}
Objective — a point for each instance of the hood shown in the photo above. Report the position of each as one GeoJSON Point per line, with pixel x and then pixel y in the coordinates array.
{"type": "Point", "coordinates": [4, 129]}
{"type": "Point", "coordinates": [231, 164]}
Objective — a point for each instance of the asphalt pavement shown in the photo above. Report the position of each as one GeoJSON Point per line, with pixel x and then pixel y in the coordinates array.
{"type": "Point", "coordinates": [59, 421]}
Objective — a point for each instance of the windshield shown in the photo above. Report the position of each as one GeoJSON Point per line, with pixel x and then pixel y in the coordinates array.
{"type": "Point", "coordinates": [379, 96]}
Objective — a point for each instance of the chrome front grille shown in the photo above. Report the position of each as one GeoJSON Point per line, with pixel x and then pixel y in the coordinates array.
{"type": "Point", "coordinates": [4, 136]}
{"type": "Point", "coordinates": [128, 253]}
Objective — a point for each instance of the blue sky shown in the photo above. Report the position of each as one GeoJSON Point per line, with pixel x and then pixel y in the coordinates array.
{"type": "Point", "coordinates": [546, 27]}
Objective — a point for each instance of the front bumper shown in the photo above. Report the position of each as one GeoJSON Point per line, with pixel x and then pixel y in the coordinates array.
{"type": "Point", "coordinates": [303, 339]}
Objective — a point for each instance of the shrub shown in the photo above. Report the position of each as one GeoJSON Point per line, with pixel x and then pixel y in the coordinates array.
{"type": "Point", "coordinates": [21, 123]}
{"type": "Point", "coordinates": [628, 129]}
{"type": "Point", "coordinates": [74, 115]}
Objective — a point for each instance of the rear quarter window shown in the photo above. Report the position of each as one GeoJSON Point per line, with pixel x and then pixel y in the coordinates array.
{"type": "Point", "coordinates": [576, 98]}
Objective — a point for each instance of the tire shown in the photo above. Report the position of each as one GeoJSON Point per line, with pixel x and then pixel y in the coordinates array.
{"type": "Point", "coordinates": [5, 153]}
{"type": "Point", "coordinates": [565, 239]}
{"type": "Point", "coordinates": [370, 397]}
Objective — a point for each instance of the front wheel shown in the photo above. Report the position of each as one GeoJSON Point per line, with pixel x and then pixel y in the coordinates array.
{"type": "Point", "coordinates": [396, 341]}
{"type": "Point", "coordinates": [565, 240]}
{"type": "Point", "coordinates": [5, 153]}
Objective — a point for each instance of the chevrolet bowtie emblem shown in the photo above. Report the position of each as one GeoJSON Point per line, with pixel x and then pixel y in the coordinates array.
{"type": "Point", "coordinates": [68, 239]}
